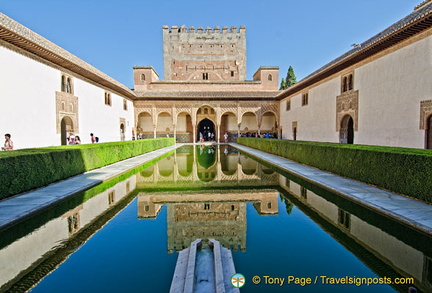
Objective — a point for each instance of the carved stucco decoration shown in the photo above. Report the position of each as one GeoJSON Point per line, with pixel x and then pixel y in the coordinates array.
{"type": "Point", "coordinates": [140, 108]}
{"type": "Point", "coordinates": [238, 109]}
{"type": "Point", "coordinates": [425, 112]}
{"type": "Point", "coordinates": [66, 106]}
{"type": "Point", "coordinates": [347, 104]}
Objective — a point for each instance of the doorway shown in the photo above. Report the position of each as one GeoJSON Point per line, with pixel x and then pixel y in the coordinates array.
{"type": "Point", "coordinates": [66, 126]}
{"type": "Point", "coordinates": [429, 133]}
{"type": "Point", "coordinates": [346, 134]}
{"type": "Point", "coordinates": [206, 130]}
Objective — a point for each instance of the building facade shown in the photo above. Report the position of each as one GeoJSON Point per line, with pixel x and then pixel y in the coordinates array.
{"type": "Point", "coordinates": [205, 95]}
{"type": "Point", "coordinates": [378, 93]}
{"type": "Point", "coordinates": [48, 93]}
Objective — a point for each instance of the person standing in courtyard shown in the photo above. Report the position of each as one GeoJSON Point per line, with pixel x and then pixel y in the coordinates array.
{"type": "Point", "coordinates": [93, 138]}
{"type": "Point", "coordinates": [71, 138]}
{"type": "Point", "coordinates": [8, 145]}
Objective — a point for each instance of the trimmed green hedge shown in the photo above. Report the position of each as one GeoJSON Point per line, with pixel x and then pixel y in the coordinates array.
{"type": "Point", "coordinates": [26, 169]}
{"type": "Point", "coordinates": [402, 170]}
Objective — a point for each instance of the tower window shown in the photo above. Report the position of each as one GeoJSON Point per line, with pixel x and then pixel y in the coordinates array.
{"type": "Point", "coordinates": [232, 73]}
{"type": "Point", "coordinates": [205, 76]}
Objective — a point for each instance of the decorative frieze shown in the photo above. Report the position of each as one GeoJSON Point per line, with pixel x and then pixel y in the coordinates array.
{"type": "Point", "coordinates": [66, 106]}
{"type": "Point", "coordinates": [347, 104]}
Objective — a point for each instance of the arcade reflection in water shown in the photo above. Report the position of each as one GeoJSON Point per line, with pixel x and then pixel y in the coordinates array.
{"type": "Point", "coordinates": [206, 193]}
{"type": "Point", "coordinates": [224, 181]}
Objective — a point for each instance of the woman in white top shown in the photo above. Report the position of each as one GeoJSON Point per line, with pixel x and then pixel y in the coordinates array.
{"type": "Point", "coordinates": [8, 145]}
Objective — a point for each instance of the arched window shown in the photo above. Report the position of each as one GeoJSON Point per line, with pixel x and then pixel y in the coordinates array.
{"type": "Point", "coordinates": [107, 99]}
{"type": "Point", "coordinates": [270, 77]}
{"type": "Point", "coordinates": [63, 83]}
{"type": "Point", "coordinates": [350, 82]}
{"type": "Point", "coordinates": [347, 83]}
{"type": "Point", "coordinates": [69, 86]}
{"type": "Point", "coordinates": [344, 84]}
{"type": "Point", "coordinates": [305, 99]}
{"type": "Point", "coordinates": [143, 77]}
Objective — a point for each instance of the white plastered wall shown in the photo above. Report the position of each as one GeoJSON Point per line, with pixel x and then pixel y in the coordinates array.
{"type": "Point", "coordinates": [316, 120]}
{"type": "Point", "coordinates": [28, 102]}
{"type": "Point", "coordinates": [390, 90]}
{"type": "Point", "coordinates": [98, 118]}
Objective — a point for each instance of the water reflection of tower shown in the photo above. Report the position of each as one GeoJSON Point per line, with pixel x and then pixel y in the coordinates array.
{"type": "Point", "coordinates": [225, 222]}
{"type": "Point", "coordinates": [207, 215]}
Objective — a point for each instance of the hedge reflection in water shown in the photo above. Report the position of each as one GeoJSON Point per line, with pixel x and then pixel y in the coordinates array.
{"type": "Point", "coordinates": [209, 192]}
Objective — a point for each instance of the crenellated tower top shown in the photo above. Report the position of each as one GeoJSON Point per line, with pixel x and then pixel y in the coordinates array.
{"type": "Point", "coordinates": [200, 54]}
{"type": "Point", "coordinates": [208, 30]}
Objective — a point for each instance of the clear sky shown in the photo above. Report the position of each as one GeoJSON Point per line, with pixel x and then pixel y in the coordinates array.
{"type": "Point", "coordinates": [115, 35]}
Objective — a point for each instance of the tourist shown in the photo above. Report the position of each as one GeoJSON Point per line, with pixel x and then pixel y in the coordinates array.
{"type": "Point", "coordinates": [77, 140]}
{"type": "Point", "coordinates": [93, 138]}
{"type": "Point", "coordinates": [226, 137]}
{"type": "Point", "coordinates": [71, 138]}
{"type": "Point", "coordinates": [8, 145]}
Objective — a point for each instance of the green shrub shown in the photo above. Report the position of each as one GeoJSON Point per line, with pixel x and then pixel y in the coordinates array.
{"type": "Point", "coordinates": [401, 170]}
{"type": "Point", "coordinates": [26, 169]}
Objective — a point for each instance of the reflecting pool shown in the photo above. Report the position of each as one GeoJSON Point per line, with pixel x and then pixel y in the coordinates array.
{"type": "Point", "coordinates": [124, 235]}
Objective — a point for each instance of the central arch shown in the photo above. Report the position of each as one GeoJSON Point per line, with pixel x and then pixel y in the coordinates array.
{"type": "Point", "coordinates": [206, 129]}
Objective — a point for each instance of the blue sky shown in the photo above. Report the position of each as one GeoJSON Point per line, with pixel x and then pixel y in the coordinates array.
{"type": "Point", "coordinates": [113, 35]}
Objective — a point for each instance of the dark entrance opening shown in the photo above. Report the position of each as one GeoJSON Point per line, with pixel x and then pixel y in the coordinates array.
{"type": "Point", "coordinates": [347, 130]}
{"type": "Point", "coordinates": [206, 130]}
{"type": "Point", "coordinates": [429, 133]}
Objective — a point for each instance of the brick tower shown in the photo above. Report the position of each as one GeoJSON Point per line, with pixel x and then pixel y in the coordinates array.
{"type": "Point", "coordinates": [204, 54]}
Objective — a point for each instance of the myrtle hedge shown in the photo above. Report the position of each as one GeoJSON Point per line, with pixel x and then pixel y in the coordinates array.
{"type": "Point", "coordinates": [402, 170]}
{"type": "Point", "coordinates": [26, 169]}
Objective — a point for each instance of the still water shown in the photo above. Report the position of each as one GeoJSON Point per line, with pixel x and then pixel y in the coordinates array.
{"type": "Point", "coordinates": [124, 235]}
